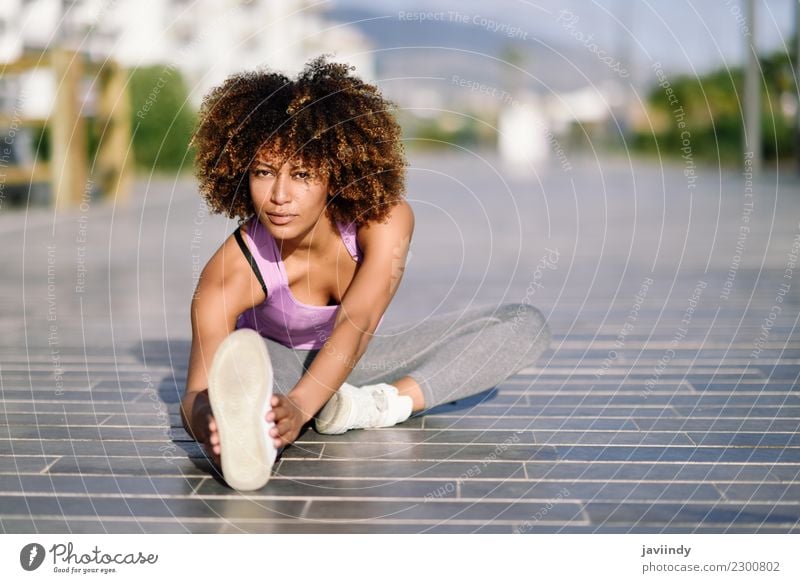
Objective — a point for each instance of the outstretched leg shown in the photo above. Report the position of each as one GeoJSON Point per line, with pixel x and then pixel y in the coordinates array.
{"type": "Point", "coordinates": [455, 355]}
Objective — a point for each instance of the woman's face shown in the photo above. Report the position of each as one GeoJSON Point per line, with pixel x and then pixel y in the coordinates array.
{"type": "Point", "coordinates": [291, 190]}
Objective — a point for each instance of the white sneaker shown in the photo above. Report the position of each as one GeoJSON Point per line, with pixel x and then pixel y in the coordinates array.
{"type": "Point", "coordinates": [363, 407]}
{"type": "Point", "coordinates": [240, 391]}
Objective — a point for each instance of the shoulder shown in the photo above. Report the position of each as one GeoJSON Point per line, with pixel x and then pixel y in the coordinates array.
{"type": "Point", "coordinates": [398, 226]}
{"type": "Point", "coordinates": [228, 268]}
{"type": "Point", "coordinates": [228, 263]}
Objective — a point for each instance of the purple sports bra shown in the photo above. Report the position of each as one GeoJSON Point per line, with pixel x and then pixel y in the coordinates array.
{"type": "Point", "coordinates": [281, 317]}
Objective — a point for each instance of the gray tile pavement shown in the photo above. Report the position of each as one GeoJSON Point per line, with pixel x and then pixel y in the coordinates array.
{"type": "Point", "coordinates": [667, 408]}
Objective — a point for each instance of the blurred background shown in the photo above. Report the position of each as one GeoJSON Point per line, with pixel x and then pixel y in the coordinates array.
{"type": "Point", "coordinates": [623, 137]}
{"type": "Point", "coordinates": [529, 81]}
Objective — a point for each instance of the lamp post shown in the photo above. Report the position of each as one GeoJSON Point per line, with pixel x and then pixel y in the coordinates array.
{"type": "Point", "coordinates": [752, 94]}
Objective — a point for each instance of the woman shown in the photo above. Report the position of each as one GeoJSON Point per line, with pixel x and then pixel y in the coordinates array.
{"type": "Point", "coordinates": [285, 311]}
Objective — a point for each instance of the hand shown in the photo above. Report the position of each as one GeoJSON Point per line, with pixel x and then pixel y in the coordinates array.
{"type": "Point", "coordinates": [204, 428]}
{"type": "Point", "coordinates": [211, 444]}
{"type": "Point", "coordinates": [289, 418]}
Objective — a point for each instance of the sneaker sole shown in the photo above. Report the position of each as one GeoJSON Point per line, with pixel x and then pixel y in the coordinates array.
{"type": "Point", "coordinates": [240, 390]}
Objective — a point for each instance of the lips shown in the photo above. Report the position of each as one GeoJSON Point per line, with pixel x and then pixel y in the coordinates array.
{"type": "Point", "coordinates": [276, 219]}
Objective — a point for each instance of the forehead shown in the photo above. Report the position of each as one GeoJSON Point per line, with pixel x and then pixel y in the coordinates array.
{"type": "Point", "coordinates": [275, 156]}
{"type": "Point", "coordinates": [276, 161]}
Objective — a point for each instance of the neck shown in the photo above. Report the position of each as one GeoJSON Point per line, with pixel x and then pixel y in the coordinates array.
{"type": "Point", "coordinates": [312, 242]}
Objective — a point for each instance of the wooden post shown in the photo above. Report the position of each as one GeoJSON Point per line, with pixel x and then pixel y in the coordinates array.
{"type": "Point", "coordinates": [69, 142]}
{"type": "Point", "coordinates": [68, 169]}
{"type": "Point", "coordinates": [115, 150]}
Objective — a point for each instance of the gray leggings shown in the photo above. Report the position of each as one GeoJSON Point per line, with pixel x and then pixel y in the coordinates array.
{"type": "Point", "coordinates": [451, 356]}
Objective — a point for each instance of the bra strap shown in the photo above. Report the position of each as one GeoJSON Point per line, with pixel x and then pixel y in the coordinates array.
{"type": "Point", "coordinates": [250, 259]}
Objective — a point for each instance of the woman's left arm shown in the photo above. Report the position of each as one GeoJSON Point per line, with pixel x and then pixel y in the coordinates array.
{"type": "Point", "coordinates": [385, 249]}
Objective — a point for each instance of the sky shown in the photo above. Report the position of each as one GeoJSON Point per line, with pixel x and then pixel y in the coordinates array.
{"type": "Point", "coordinates": [689, 35]}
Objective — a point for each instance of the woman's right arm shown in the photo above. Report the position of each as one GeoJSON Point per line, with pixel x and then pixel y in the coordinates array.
{"type": "Point", "coordinates": [226, 288]}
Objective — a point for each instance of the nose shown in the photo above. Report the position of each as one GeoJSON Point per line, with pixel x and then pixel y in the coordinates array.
{"type": "Point", "coordinates": [280, 189]}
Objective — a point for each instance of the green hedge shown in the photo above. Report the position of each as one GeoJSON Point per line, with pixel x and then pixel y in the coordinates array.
{"type": "Point", "coordinates": [162, 119]}
{"type": "Point", "coordinates": [712, 104]}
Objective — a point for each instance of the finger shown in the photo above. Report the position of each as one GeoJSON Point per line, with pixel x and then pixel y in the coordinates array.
{"type": "Point", "coordinates": [284, 425]}
{"type": "Point", "coordinates": [214, 438]}
{"type": "Point", "coordinates": [280, 413]}
{"type": "Point", "coordinates": [275, 400]}
{"type": "Point", "coordinates": [212, 424]}
{"type": "Point", "coordinates": [278, 442]}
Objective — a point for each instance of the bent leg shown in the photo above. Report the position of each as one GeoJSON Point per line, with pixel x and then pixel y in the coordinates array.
{"type": "Point", "coordinates": [456, 354]}
{"type": "Point", "coordinates": [288, 364]}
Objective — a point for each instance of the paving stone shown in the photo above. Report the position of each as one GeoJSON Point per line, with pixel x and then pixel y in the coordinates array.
{"type": "Point", "coordinates": [758, 387]}
{"type": "Point", "coordinates": [18, 464]}
{"type": "Point", "coordinates": [715, 423]}
{"type": "Point", "coordinates": [153, 466]}
{"type": "Point", "coordinates": [392, 469]}
{"type": "Point", "coordinates": [777, 412]}
{"type": "Point", "coordinates": [507, 451]}
{"type": "Point", "coordinates": [406, 436]}
{"type": "Point", "coordinates": [437, 510]}
{"type": "Point", "coordinates": [31, 484]}
{"type": "Point", "coordinates": [651, 471]}
{"type": "Point", "coordinates": [698, 400]}
{"type": "Point", "coordinates": [39, 419]}
{"type": "Point", "coordinates": [147, 507]}
{"type": "Point", "coordinates": [61, 406]}
{"type": "Point", "coordinates": [372, 527]}
{"type": "Point", "coordinates": [129, 448]}
{"type": "Point", "coordinates": [90, 448]}
{"type": "Point", "coordinates": [679, 453]}
{"type": "Point", "coordinates": [98, 433]}
{"type": "Point", "coordinates": [694, 513]}
{"type": "Point", "coordinates": [638, 528]}
{"type": "Point", "coordinates": [611, 438]}
{"type": "Point", "coordinates": [589, 491]}
{"type": "Point", "coordinates": [338, 488]}
{"type": "Point", "coordinates": [786, 472]}
{"type": "Point", "coordinates": [749, 493]}
{"type": "Point", "coordinates": [537, 412]}
{"type": "Point", "coordinates": [522, 424]}
{"type": "Point", "coordinates": [734, 439]}
{"type": "Point", "coordinates": [73, 396]}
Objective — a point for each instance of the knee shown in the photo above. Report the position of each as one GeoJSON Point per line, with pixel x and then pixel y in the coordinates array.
{"type": "Point", "coordinates": [527, 325]}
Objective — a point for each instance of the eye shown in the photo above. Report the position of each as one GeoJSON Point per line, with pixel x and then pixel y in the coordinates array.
{"type": "Point", "coordinates": [302, 175]}
{"type": "Point", "coordinates": [261, 172]}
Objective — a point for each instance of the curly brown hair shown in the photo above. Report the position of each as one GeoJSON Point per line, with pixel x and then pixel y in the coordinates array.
{"type": "Point", "coordinates": [335, 124]}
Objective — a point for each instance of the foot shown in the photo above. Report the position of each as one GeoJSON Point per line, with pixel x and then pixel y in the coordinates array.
{"type": "Point", "coordinates": [240, 391]}
{"type": "Point", "coordinates": [363, 407]}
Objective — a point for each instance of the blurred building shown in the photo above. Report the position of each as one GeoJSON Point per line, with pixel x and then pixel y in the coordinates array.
{"type": "Point", "coordinates": [206, 40]}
